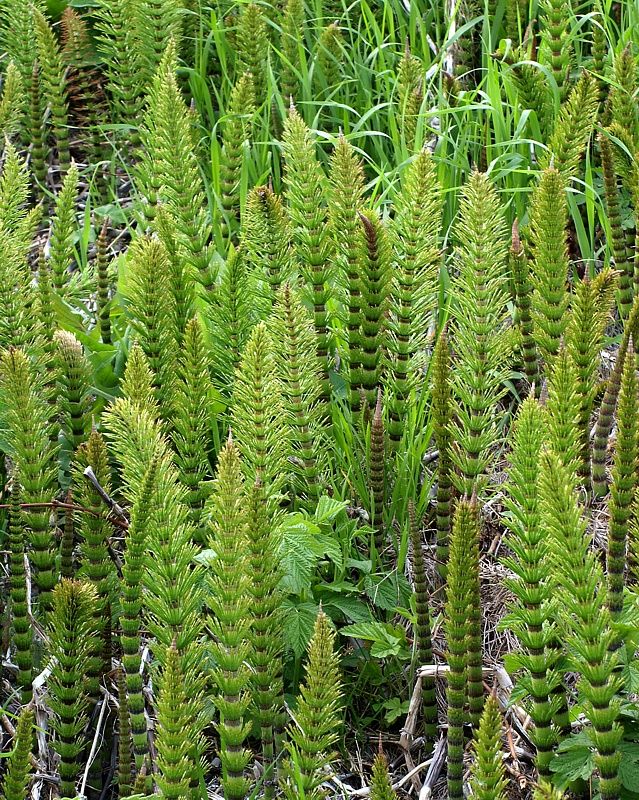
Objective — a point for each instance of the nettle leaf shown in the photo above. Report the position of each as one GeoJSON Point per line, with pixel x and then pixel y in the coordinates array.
{"type": "Point", "coordinates": [325, 545]}
{"type": "Point", "coordinates": [302, 544]}
{"type": "Point", "coordinates": [298, 558]}
{"type": "Point", "coordinates": [388, 640]}
{"type": "Point", "coordinates": [359, 565]}
{"type": "Point", "coordinates": [328, 509]}
{"type": "Point", "coordinates": [351, 608]}
{"type": "Point", "coordinates": [393, 647]}
{"type": "Point", "coordinates": [371, 631]}
{"type": "Point", "coordinates": [298, 627]}
{"type": "Point", "coordinates": [66, 316]}
{"type": "Point", "coordinates": [387, 591]}
{"type": "Point", "coordinates": [575, 760]}
{"type": "Point", "coordinates": [629, 766]}
{"type": "Point", "coordinates": [630, 674]}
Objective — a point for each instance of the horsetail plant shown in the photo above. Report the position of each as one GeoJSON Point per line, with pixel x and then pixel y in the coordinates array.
{"type": "Point", "coordinates": [266, 625]}
{"type": "Point", "coordinates": [103, 286]}
{"type": "Point", "coordinates": [16, 218]}
{"type": "Point", "coordinates": [377, 477]}
{"type": "Point", "coordinates": [375, 290]}
{"type": "Point", "coordinates": [409, 85]}
{"type": "Point", "coordinates": [622, 107]}
{"type": "Point", "coordinates": [555, 38]}
{"type": "Point", "coordinates": [253, 47]}
{"type": "Point", "coordinates": [418, 210]}
{"type": "Point", "coordinates": [424, 644]}
{"type": "Point", "coordinates": [573, 127]}
{"type": "Point", "coordinates": [71, 635]}
{"type": "Point", "coordinates": [52, 77]}
{"type": "Point", "coordinates": [21, 629]}
{"type": "Point", "coordinates": [488, 779]}
{"type": "Point", "coordinates": [464, 545]}
{"type": "Point", "coordinates": [125, 744]}
{"type": "Point", "coordinates": [442, 419]}
{"type": "Point", "coordinates": [546, 791]}
{"type": "Point", "coordinates": [516, 18]}
{"type": "Point", "coordinates": [258, 422]}
{"type": "Point", "coordinates": [318, 294]}
{"type": "Point", "coordinates": [381, 787]}
{"type": "Point", "coordinates": [175, 765]}
{"type": "Point", "coordinates": [74, 388]}
{"type": "Point", "coordinates": [549, 272]}
{"type": "Point", "coordinates": [131, 605]}
{"type": "Point", "coordinates": [266, 237]}
{"type": "Point", "coordinates": [228, 599]}
{"type": "Point", "coordinates": [617, 241]}
{"type": "Point", "coordinates": [623, 484]}
{"type": "Point", "coordinates": [293, 29]}
{"type": "Point", "coordinates": [346, 191]}
{"type": "Point", "coordinates": [97, 566]}
{"type": "Point", "coordinates": [474, 656]}
{"type": "Point", "coordinates": [521, 276]}
{"type": "Point", "coordinates": [17, 34]}
{"type": "Point", "coordinates": [36, 127]}
{"type": "Point", "coordinates": [303, 181]}
{"type": "Point", "coordinates": [182, 280]}
{"type": "Point", "coordinates": [562, 416]}
{"type": "Point", "coordinates": [301, 389]}
{"type": "Point", "coordinates": [118, 28]}
{"type": "Point", "coordinates": [158, 27]}
{"type": "Point", "coordinates": [236, 129]}
{"type": "Point", "coordinates": [330, 44]}
{"type": "Point", "coordinates": [83, 84]}
{"type": "Point", "coordinates": [151, 311]}
{"type": "Point", "coordinates": [317, 717]}
{"type": "Point", "coordinates": [584, 619]}
{"type": "Point", "coordinates": [483, 343]}
{"type": "Point", "coordinates": [173, 586]}
{"type": "Point", "coordinates": [192, 423]}
{"type": "Point", "coordinates": [590, 313]}
{"type": "Point", "coordinates": [63, 230]}
{"type": "Point", "coordinates": [19, 327]}
{"type": "Point", "coordinates": [233, 313]}
{"type": "Point", "coordinates": [533, 94]}
{"type": "Point", "coordinates": [12, 104]}
{"type": "Point", "coordinates": [604, 423]}
{"type": "Point", "coordinates": [562, 407]}
{"type": "Point", "coordinates": [18, 770]}
{"type": "Point", "coordinates": [170, 169]}
{"type": "Point", "coordinates": [47, 328]}
{"type": "Point", "coordinates": [67, 567]}
{"type": "Point", "coordinates": [137, 382]}
{"type": "Point", "coordinates": [26, 418]}
{"type": "Point", "coordinates": [530, 615]}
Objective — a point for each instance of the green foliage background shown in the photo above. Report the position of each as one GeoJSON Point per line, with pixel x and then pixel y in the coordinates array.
{"type": "Point", "coordinates": [318, 329]}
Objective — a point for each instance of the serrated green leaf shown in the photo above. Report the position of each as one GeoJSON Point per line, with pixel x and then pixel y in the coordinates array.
{"type": "Point", "coordinates": [298, 626]}
{"type": "Point", "coordinates": [387, 591]}
{"type": "Point", "coordinates": [575, 759]}
{"type": "Point", "coordinates": [327, 509]}
{"type": "Point", "coordinates": [360, 565]}
{"type": "Point", "coordinates": [351, 608]}
{"type": "Point", "coordinates": [386, 649]}
{"type": "Point", "coordinates": [325, 545]}
{"type": "Point", "coordinates": [629, 765]}
{"type": "Point", "coordinates": [298, 558]}
{"type": "Point", "coordinates": [371, 631]}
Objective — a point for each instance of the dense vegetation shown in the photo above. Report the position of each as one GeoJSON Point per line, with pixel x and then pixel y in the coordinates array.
{"type": "Point", "coordinates": [319, 399]}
